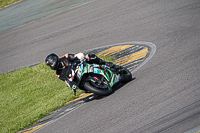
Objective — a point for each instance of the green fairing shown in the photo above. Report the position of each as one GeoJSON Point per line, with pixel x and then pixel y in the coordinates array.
{"type": "Point", "coordinates": [85, 69]}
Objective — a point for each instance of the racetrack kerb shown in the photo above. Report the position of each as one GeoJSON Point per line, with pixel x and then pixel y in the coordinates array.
{"type": "Point", "coordinates": [132, 55]}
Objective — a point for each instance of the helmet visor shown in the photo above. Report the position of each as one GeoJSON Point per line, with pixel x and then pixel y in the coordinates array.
{"type": "Point", "coordinates": [51, 62]}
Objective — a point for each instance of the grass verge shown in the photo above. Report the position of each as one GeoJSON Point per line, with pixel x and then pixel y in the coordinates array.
{"type": "Point", "coordinates": [4, 3]}
{"type": "Point", "coordinates": [30, 94]}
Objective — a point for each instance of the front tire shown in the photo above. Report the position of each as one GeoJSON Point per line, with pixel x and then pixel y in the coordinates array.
{"type": "Point", "coordinates": [99, 91]}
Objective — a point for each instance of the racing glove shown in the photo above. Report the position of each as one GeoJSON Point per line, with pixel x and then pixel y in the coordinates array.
{"type": "Point", "coordinates": [72, 85]}
{"type": "Point", "coordinates": [74, 88]}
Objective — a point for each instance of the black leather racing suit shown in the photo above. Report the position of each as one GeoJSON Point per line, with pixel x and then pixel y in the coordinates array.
{"type": "Point", "coordinates": [65, 70]}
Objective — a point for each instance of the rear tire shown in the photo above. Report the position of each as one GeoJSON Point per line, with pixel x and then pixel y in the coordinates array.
{"type": "Point", "coordinates": [125, 75]}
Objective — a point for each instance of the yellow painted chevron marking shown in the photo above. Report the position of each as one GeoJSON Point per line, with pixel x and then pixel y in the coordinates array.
{"type": "Point", "coordinates": [36, 128]}
{"type": "Point", "coordinates": [84, 95]}
{"type": "Point", "coordinates": [114, 50]}
{"type": "Point", "coordinates": [132, 57]}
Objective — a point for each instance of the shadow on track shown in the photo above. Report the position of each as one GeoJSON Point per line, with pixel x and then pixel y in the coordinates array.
{"type": "Point", "coordinates": [115, 88]}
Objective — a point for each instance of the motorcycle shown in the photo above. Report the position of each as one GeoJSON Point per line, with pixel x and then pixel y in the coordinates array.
{"type": "Point", "coordinates": [100, 79]}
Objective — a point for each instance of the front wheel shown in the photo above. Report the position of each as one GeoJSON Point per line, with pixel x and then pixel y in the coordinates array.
{"type": "Point", "coordinates": [102, 90]}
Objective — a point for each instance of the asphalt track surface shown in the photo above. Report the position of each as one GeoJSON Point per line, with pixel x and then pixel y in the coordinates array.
{"type": "Point", "coordinates": [164, 97]}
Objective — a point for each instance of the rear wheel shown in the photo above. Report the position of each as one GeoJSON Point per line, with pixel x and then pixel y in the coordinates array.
{"type": "Point", "coordinates": [125, 75]}
{"type": "Point", "coordinates": [98, 87]}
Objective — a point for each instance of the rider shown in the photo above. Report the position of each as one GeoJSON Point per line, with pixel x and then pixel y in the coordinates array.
{"type": "Point", "coordinates": [63, 66]}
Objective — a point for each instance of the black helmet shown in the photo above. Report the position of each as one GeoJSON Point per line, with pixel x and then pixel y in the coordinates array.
{"type": "Point", "coordinates": [52, 61]}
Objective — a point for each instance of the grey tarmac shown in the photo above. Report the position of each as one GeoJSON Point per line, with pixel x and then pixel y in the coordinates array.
{"type": "Point", "coordinates": [164, 97]}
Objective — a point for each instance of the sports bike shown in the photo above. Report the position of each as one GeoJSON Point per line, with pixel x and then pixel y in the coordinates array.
{"type": "Point", "coordinates": [100, 79]}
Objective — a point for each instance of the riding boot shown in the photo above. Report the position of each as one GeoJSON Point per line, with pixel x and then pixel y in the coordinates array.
{"type": "Point", "coordinates": [110, 64]}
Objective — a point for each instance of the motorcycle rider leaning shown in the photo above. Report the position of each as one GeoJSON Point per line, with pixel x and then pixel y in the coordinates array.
{"type": "Point", "coordinates": [64, 66]}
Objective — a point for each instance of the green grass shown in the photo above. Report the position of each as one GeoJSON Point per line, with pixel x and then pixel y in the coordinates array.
{"type": "Point", "coordinates": [29, 94]}
{"type": "Point", "coordinates": [107, 58]}
{"type": "Point", "coordinates": [4, 3]}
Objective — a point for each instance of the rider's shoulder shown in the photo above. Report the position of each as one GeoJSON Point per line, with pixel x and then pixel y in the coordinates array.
{"type": "Point", "coordinates": [65, 55]}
